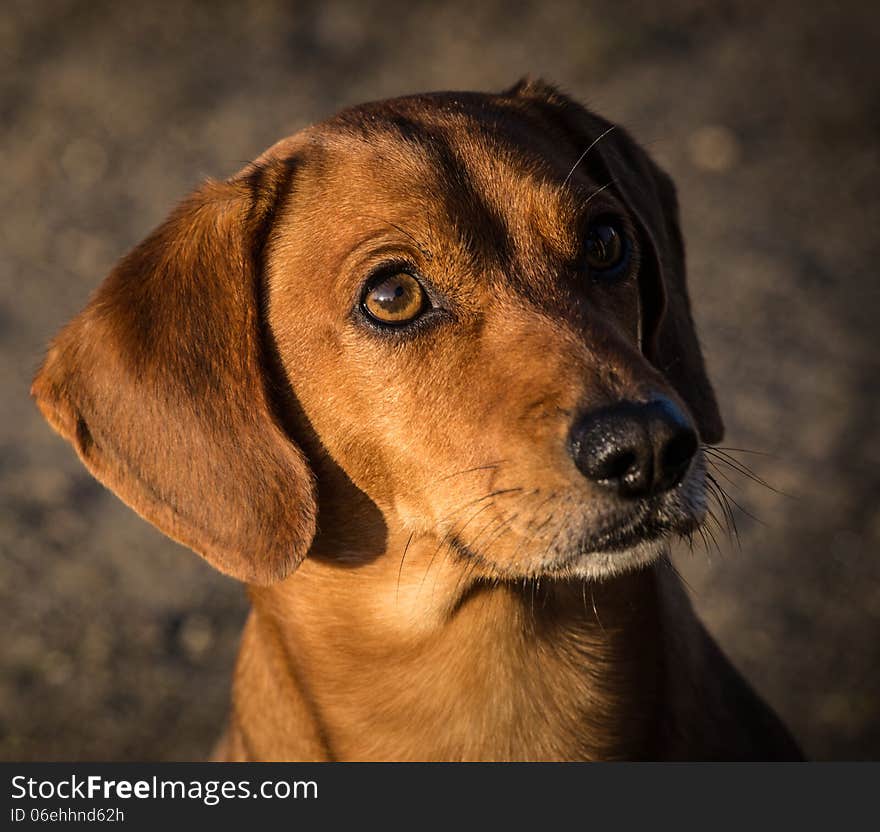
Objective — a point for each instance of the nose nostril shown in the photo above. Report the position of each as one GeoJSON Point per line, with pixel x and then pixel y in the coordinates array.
{"type": "Point", "coordinates": [616, 466]}
{"type": "Point", "coordinates": [677, 455]}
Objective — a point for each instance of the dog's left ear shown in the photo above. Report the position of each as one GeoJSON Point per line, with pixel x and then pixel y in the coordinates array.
{"type": "Point", "coordinates": [669, 337]}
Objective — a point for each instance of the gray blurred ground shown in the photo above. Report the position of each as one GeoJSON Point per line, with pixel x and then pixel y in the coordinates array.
{"type": "Point", "coordinates": [118, 644]}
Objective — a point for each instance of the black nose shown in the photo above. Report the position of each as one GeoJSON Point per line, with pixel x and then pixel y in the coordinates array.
{"type": "Point", "coordinates": [634, 448]}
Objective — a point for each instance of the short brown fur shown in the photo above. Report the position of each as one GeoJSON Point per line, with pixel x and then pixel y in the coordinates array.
{"type": "Point", "coordinates": [402, 504]}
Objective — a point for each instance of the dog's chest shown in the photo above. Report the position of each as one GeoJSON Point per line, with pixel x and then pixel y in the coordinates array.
{"type": "Point", "coordinates": [493, 685]}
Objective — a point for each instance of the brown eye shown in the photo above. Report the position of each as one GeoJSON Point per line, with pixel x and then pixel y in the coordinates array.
{"type": "Point", "coordinates": [395, 299]}
{"type": "Point", "coordinates": [607, 251]}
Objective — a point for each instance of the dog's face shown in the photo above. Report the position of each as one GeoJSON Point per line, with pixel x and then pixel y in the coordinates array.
{"type": "Point", "coordinates": [478, 305]}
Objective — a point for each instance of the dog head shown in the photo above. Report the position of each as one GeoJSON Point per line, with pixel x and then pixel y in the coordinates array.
{"type": "Point", "coordinates": [470, 308]}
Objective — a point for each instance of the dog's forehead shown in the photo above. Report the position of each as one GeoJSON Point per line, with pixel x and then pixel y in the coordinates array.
{"type": "Point", "coordinates": [459, 137]}
{"type": "Point", "coordinates": [491, 171]}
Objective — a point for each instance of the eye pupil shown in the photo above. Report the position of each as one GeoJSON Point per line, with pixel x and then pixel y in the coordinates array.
{"type": "Point", "coordinates": [394, 299]}
{"type": "Point", "coordinates": [605, 247]}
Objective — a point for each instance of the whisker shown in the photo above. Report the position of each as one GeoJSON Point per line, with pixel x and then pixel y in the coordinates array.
{"type": "Point", "coordinates": [584, 154]}
{"type": "Point", "coordinates": [721, 498]}
{"type": "Point", "coordinates": [681, 577]}
{"type": "Point", "coordinates": [736, 464]}
{"type": "Point", "coordinates": [422, 248]}
{"type": "Point", "coordinates": [400, 568]}
{"type": "Point", "coordinates": [709, 532]}
{"type": "Point", "coordinates": [701, 531]}
{"type": "Point", "coordinates": [455, 530]}
{"type": "Point", "coordinates": [503, 522]}
{"type": "Point", "coordinates": [535, 531]}
{"type": "Point", "coordinates": [721, 473]}
{"type": "Point", "coordinates": [472, 544]}
{"type": "Point", "coordinates": [745, 451]}
{"type": "Point", "coordinates": [721, 495]}
{"type": "Point", "coordinates": [549, 516]}
{"type": "Point", "coordinates": [450, 533]}
{"type": "Point", "coordinates": [464, 577]}
{"type": "Point", "coordinates": [492, 466]}
{"type": "Point", "coordinates": [733, 499]}
{"type": "Point", "coordinates": [501, 491]}
{"type": "Point", "coordinates": [504, 527]}
{"type": "Point", "coordinates": [557, 535]}
{"type": "Point", "coordinates": [741, 467]}
{"type": "Point", "coordinates": [596, 193]}
{"type": "Point", "coordinates": [470, 503]}
{"type": "Point", "coordinates": [714, 518]}
{"type": "Point", "coordinates": [595, 610]}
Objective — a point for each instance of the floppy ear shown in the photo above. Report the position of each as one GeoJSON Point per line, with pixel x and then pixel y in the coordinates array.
{"type": "Point", "coordinates": [669, 337]}
{"type": "Point", "coordinates": [160, 386]}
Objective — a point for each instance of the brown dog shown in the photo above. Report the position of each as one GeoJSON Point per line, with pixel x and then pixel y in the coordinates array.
{"type": "Point", "coordinates": [425, 377]}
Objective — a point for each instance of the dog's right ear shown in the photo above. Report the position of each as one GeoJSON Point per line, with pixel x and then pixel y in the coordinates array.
{"type": "Point", "coordinates": [160, 385]}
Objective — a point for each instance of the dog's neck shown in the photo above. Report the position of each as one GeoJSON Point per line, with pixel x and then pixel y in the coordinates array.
{"type": "Point", "coordinates": [387, 662]}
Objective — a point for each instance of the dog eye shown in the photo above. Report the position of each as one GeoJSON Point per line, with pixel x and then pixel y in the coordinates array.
{"type": "Point", "coordinates": [607, 250]}
{"type": "Point", "coordinates": [394, 299]}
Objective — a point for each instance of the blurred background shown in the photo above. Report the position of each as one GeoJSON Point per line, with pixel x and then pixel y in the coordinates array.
{"type": "Point", "coordinates": [118, 644]}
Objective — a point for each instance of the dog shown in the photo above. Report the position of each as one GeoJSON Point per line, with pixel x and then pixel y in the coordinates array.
{"type": "Point", "coordinates": [425, 377]}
